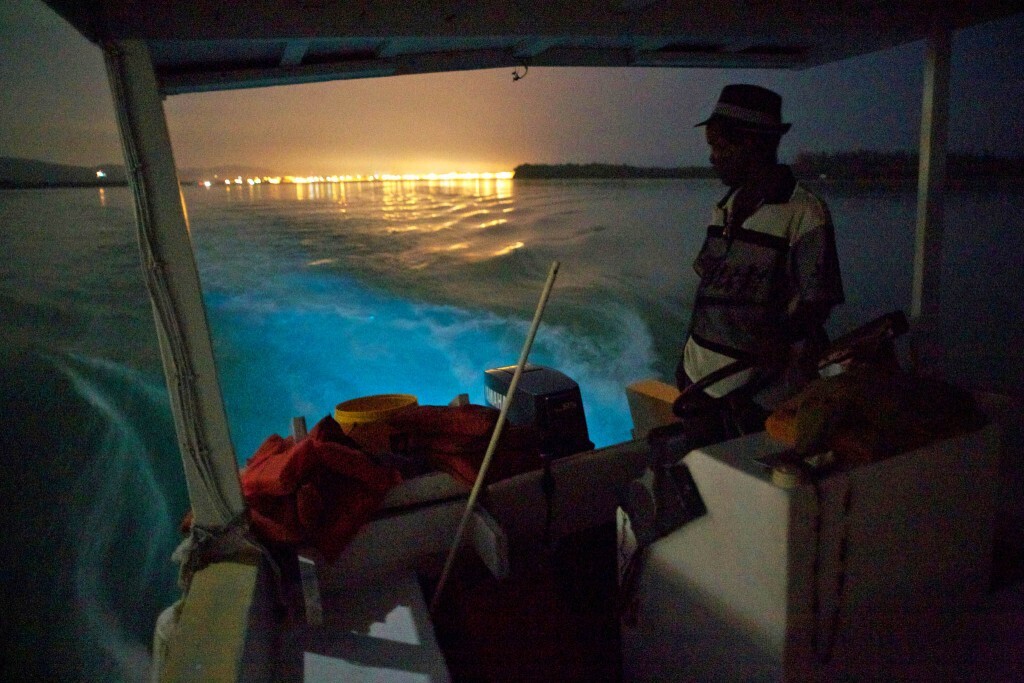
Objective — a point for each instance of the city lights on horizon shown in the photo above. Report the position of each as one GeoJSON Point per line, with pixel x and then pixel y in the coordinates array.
{"type": "Point", "coordinates": [377, 177]}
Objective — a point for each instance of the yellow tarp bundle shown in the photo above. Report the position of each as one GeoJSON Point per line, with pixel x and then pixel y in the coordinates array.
{"type": "Point", "coordinates": [869, 413]}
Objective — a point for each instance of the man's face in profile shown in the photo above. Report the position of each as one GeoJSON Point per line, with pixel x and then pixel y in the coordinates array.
{"type": "Point", "coordinates": [730, 153]}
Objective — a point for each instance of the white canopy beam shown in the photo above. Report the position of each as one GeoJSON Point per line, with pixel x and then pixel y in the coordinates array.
{"type": "Point", "coordinates": [172, 279]}
{"type": "Point", "coordinates": [927, 285]}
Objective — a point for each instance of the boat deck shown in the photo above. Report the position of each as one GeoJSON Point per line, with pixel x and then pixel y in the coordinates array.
{"type": "Point", "coordinates": [515, 607]}
{"type": "Point", "coordinates": [553, 617]}
{"type": "Point", "coordinates": [555, 620]}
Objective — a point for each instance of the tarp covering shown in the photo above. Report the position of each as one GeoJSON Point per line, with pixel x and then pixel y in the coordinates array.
{"type": "Point", "coordinates": [317, 492]}
{"type": "Point", "coordinates": [454, 439]}
{"type": "Point", "coordinates": [869, 413]}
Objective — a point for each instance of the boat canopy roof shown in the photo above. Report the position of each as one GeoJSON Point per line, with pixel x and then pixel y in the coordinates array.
{"type": "Point", "coordinates": [216, 45]}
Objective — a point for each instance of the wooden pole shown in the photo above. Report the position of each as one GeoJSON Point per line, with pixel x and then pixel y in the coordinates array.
{"type": "Point", "coordinates": [495, 436]}
{"type": "Point", "coordinates": [931, 188]}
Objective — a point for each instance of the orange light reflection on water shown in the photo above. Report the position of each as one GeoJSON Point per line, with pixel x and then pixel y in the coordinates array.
{"type": "Point", "coordinates": [499, 183]}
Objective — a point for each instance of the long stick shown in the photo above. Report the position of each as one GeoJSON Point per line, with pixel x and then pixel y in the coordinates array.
{"type": "Point", "coordinates": [495, 436]}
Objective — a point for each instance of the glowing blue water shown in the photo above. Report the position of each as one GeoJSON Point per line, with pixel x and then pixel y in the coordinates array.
{"type": "Point", "coordinates": [110, 531]}
{"type": "Point", "coordinates": [413, 288]}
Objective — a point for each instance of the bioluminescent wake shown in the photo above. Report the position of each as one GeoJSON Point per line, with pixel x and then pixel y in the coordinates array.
{"type": "Point", "coordinates": [316, 340]}
{"type": "Point", "coordinates": [126, 525]}
{"type": "Point", "coordinates": [421, 289]}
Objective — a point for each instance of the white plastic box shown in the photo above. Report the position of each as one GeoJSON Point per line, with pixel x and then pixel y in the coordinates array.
{"type": "Point", "coordinates": [858, 577]}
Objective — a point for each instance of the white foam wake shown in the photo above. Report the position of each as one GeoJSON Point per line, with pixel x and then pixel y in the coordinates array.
{"type": "Point", "coordinates": [124, 508]}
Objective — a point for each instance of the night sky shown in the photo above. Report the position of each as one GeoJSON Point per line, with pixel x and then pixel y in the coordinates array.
{"type": "Point", "coordinates": [56, 107]}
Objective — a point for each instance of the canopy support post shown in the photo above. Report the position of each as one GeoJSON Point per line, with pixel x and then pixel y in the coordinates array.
{"type": "Point", "coordinates": [927, 286]}
{"type": "Point", "coordinates": [172, 279]}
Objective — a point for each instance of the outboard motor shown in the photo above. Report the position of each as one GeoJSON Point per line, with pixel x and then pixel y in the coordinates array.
{"type": "Point", "coordinates": [547, 400]}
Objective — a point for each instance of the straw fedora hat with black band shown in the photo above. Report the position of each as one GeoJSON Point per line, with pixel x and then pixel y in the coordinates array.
{"type": "Point", "coordinates": [749, 107]}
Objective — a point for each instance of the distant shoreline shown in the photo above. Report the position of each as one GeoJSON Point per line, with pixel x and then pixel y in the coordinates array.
{"type": "Point", "coordinates": [599, 171]}
{"type": "Point", "coordinates": [894, 184]}
{"type": "Point", "coordinates": [59, 185]}
{"type": "Point", "coordinates": [863, 168]}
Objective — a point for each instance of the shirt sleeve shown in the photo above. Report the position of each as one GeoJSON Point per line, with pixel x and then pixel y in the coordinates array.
{"type": "Point", "coordinates": [814, 264]}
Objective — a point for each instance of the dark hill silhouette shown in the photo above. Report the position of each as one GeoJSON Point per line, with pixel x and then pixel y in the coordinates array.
{"type": "Point", "coordinates": [32, 173]}
{"type": "Point", "coordinates": [549, 171]}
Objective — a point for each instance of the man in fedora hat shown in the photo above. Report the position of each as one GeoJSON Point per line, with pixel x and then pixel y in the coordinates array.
{"type": "Point", "coordinates": [769, 273]}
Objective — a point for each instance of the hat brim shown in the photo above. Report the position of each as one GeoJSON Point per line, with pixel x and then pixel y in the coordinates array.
{"type": "Point", "coordinates": [747, 126]}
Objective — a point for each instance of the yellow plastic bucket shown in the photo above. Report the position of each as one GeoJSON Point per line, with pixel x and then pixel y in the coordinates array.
{"type": "Point", "coordinates": [371, 408]}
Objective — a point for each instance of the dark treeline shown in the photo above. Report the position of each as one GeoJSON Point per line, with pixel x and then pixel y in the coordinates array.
{"type": "Point", "coordinates": [862, 165]}
{"type": "Point", "coordinates": [30, 173]}
{"type": "Point", "coordinates": [545, 171]}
